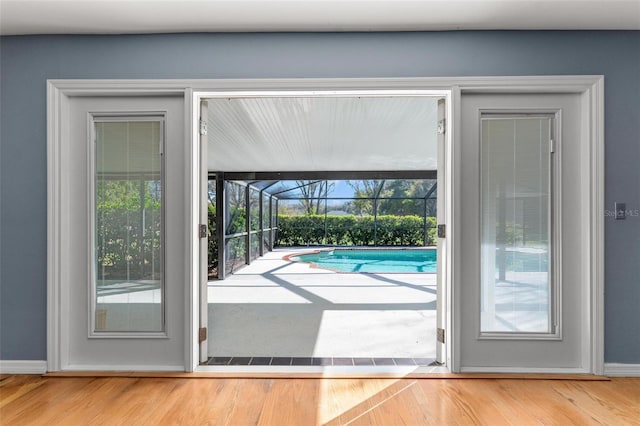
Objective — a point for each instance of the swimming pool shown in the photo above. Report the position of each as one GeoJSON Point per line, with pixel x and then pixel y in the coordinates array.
{"type": "Point", "coordinates": [372, 260]}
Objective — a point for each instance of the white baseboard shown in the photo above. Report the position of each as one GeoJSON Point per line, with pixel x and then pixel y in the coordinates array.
{"type": "Point", "coordinates": [40, 367]}
{"type": "Point", "coordinates": [23, 367]}
{"type": "Point", "coordinates": [621, 370]}
{"type": "Point", "coordinates": [121, 368]}
{"type": "Point", "coordinates": [529, 370]}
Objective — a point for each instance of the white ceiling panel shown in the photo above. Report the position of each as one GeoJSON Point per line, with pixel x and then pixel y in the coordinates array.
{"type": "Point", "coordinates": [166, 16]}
{"type": "Point", "coordinates": [322, 134]}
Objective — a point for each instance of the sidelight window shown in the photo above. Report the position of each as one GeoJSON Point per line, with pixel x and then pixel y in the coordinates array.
{"type": "Point", "coordinates": [517, 284]}
{"type": "Point", "coordinates": [128, 202]}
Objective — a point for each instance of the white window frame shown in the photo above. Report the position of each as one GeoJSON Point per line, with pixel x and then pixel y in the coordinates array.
{"type": "Point", "coordinates": [591, 89]}
{"type": "Point", "coordinates": [555, 240]}
{"type": "Point", "coordinates": [149, 116]}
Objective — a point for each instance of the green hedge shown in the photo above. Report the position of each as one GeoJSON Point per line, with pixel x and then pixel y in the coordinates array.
{"type": "Point", "coordinates": [212, 241]}
{"type": "Point", "coordinates": [124, 247]}
{"type": "Point", "coordinates": [354, 230]}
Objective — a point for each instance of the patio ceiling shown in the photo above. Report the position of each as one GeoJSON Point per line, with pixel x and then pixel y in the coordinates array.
{"type": "Point", "coordinates": [322, 134]}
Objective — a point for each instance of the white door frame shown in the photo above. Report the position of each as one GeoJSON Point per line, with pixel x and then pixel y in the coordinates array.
{"type": "Point", "coordinates": [591, 89]}
{"type": "Point", "coordinates": [60, 261]}
{"type": "Point", "coordinates": [344, 88]}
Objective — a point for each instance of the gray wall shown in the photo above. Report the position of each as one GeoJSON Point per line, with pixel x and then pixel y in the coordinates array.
{"type": "Point", "coordinates": [27, 62]}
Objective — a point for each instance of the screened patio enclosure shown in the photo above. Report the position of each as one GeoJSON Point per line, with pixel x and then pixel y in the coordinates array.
{"type": "Point", "coordinates": [251, 213]}
{"type": "Point", "coordinates": [319, 171]}
{"type": "Point", "coordinates": [289, 174]}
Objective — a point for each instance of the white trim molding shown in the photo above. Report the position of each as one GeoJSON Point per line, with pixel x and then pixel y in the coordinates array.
{"type": "Point", "coordinates": [613, 369]}
{"type": "Point", "coordinates": [526, 370]}
{"type": "Point", "coordinates": [594, 98]}
{"type": "Point", "coordinates": [509, 84]}
{"type": "Point", "coordinates": [23, 367]}
{"type": "Point", "coordinates": [121, 368]}
{"type": "Point", "coordinates": [591, 87]}
{"type": "Point", "coordinates": [54, 225]}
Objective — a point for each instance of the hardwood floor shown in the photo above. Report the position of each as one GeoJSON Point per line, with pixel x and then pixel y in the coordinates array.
{"type": "Point", "coordinates": [35, 400]}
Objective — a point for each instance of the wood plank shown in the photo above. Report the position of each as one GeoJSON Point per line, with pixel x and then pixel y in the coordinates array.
{"type": "Point", "coordinates": [595, 404]}
{"type": "Point", "coordinates": [13, 387]}
{"type": "Point", "coordinates": [36, 400]}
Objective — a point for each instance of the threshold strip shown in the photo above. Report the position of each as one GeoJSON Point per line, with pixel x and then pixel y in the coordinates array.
{"type": "Point", "coordinates": [320, 361]}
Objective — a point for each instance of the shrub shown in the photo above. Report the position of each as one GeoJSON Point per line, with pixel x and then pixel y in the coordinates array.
{"type": "Point", "coordinates": [388, 230]}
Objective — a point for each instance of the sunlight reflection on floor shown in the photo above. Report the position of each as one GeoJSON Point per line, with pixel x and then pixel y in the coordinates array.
{"type": "Point", "coordinates": [345, 401]}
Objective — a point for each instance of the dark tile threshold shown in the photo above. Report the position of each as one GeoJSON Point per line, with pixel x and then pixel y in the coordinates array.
{"type": "Point", "coordinates": [319, 361]}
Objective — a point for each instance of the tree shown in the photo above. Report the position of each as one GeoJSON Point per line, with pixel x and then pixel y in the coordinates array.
{"type": "Point", "coordinates": [235, 215]}
{"type": "Point", "coordinates": [369, 189]}
{"type": "Point", "coordinates": [403, 191]}
{"type": "Point", "coordinates": [211, 191]}
{"type": "Point", "coordinates": [312, 194]}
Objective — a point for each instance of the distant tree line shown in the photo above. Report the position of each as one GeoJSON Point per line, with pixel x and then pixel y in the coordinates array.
{"type": "Point", "coordinates": [395, 197]}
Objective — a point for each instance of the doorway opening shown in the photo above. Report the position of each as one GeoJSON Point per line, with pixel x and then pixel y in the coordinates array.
{"type": "Point", "coordinates": [292, 177]}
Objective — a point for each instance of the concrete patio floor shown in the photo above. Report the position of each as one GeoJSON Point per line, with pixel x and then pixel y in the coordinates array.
{"type": "Point", "coordinates": [276, 308]}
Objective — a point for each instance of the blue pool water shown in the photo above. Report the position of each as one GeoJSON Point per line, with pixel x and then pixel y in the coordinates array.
{"type": "Point", "coordinates": [373, 260]}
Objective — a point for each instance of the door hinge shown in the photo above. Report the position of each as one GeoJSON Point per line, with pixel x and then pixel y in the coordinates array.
{"type": "Point", "coordinates": [203, 230]}
{"type": "Point", "coordinates": [442, 126]}
{"type": "Point", "coordinates": [203, 127]}
{"type": "Point", "coordinates": [202, 334]}
{"type": "Point", "coordinates": [552, 145]}
{"type": "Point", "coordinates": [442, 231]}
{"type": "Point", "coordinates": [440, 334]}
